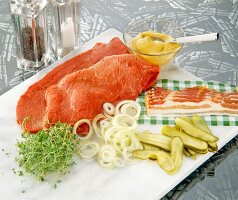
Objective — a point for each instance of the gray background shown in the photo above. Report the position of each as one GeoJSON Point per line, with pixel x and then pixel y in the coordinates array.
{"type": "Point", "coordinates": [218, 61]}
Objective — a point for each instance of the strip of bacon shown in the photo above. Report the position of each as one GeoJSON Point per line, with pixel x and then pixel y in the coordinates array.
{"type": "Point", "coordinates": [199, 99]}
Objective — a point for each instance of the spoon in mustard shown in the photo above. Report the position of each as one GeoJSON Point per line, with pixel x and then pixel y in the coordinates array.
{"type": "Point", "coordinates": [193, 39]}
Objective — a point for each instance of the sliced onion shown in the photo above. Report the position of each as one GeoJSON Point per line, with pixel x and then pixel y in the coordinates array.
{"type": "Point", "coordinates": [126, 139]}
{"type": "Point", "coordinates": [109, 109]}
{"type": "Point", "coordinates": [109, 134]}
{"type": "Point", "coordinates": [105, 123]}
{"type": "Point", "coordinates": [105, 164]}
{"type": "Point", "coordinates": [90, 132]}
{"type": "Point", "coordinates": [118, 162]}
{"type": "Point", "coordinates": [97, 126]}
{"type": "Point", "coordinates": [104, 129]}
{"type": "Point", "coordinates": [121, 140]}
{"type": "Point", "coordinates": [138, 145]}
{"type": "Point", "coordinates": [116, 127]}
{"type": "Point", "coordinates": [107, 153]}
{"type": "Point", "coordinates": [88, 149]}
{"type": "Point", "coordinates": [131, 108]}
{"type": "Point", "coordinates": [118, 106]}
{"type": "Point", "coordinates": [127, 154]}
{"type": "Point", "coordinates": [128, 107]}
{"type": "Point", "coordinates": [107, 115]}
{"type": "Point", "coordinates": [124, 121]}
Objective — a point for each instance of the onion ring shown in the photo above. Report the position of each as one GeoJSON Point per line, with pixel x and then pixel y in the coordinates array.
{"type": "Point", "coordinates": [96, 124]}
{"type": "Point", "coordinates": [118, 162]}
{"type": "Point", "coordinates": [88, 149]}
{"type": "Point", "coordinates": [90, 132]}
{"type": "Point", "coordinates": [107, 153]}
{"type": "Point", "coordinates": [124, 121]}
{"type": "Point", "coordinates": [109, 109]}
{"type": "Point", "coordinates": [132, 109]}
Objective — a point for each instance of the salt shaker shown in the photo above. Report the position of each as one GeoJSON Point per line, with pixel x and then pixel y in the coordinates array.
{"type": "Point", "coordinates": [31, 35]}
{"type": "Point", "coordinates": [67, 26]}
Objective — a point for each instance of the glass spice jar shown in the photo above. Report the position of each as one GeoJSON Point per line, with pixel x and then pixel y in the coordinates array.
{"type": "Point", "coordinates": [31, 35]}
{"type": "Point", "coordinates": [66, 25]}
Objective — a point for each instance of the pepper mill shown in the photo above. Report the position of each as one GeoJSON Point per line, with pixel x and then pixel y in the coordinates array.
{"type": "Point", "coordinates": [31, 35]}
{"type": "Point", "coordinates": [67, 26]}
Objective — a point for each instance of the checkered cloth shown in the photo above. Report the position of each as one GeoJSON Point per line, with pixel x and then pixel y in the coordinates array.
{"type": "Point", "coordinates": [213, 120]}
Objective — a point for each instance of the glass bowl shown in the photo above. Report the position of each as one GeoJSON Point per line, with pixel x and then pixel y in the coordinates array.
{"type": "Point", "coordinates": [155, 25]}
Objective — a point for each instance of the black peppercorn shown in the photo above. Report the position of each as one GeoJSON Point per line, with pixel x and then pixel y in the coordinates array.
{"type": "Point", "coordinates": [30, 50]}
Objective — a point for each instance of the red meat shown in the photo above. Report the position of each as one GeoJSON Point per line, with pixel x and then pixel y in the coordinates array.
{"type": "Point", "coordinates": [32, 104]}
{"type": "Point", "coordinates": [81, 95]}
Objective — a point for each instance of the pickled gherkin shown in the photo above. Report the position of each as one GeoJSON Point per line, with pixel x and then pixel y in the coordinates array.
{"type": "Point", "coordinates": [149, 147]}
{"type": "Point", "coordinates": [190, 142]}
{"type": "Point", "coordinates": [189, 136]}
{"type": "Point", "coordinates": [163, 158]}
{"type": "Point", "coordinates": [158, 140]}
{"type": "Point", "coordinates": [199, 122]}
{"type": "Point", "coordinates": [177, 153]}
{"type": "Point", "coordinates": [195, 132]}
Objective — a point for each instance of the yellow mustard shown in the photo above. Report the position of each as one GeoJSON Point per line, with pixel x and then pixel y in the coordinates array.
{"type": "Point", "coordinates": [154, 47]}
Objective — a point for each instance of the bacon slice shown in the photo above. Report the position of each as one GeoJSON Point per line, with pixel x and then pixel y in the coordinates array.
{"type": "Point", "coordinates": [195, 94]}
{"type": "Point", "coordinates": [199, 99]}
{"type": "Point", "coordinates": [157, 95]}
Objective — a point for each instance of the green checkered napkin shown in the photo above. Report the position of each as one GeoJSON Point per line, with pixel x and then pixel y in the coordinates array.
{"type": "Point", "coordinates": [213, 120]}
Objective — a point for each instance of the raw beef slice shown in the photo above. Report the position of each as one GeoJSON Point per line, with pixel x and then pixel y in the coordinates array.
{"type": "Point", "coordinates": [81, 95]}
{"type": "Point", "coordinates": [32, 105]}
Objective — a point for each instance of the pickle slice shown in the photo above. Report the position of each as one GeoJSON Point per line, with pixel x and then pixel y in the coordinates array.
{"type": "Point", "coordinates": [150, 147]}
{"type": "Point", "coordinates": [177, 153]}
{"type": "Point", "coordinates": [195, 132]}
{"type": "Point", "coordinates": [158, 140]}
{"type": "Point", "coordinates": [187, 119]}
{"type": "Point", "coordinates": [186, 152]}
{"type": "Point", "coordinates": [192, 153]}
{"type": "Point", "coordinates": [144, 154]}
{"type": "Point", "coordinates": [165, 161]}
{"type": "Point", "coordinates": [192, 143]}
{"type": "Point", "coordinates": [199, 122]}
{"type": "Point", "coordinates": [163, 158]}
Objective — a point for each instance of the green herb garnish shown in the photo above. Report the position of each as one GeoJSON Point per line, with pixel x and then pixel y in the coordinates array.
{"type": "Point", "coordinates": [48, 151]}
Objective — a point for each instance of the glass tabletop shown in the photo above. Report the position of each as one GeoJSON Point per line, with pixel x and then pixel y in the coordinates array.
{"type": "Point", "coordinates": [216, 61]}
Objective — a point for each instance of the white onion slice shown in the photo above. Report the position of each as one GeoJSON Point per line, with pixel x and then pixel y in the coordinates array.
{"type": "Point", "coordinates": [118, 162]}
{"type": "Point", "coordinates": [90, 132]}
{"type": "Point", "coordinates": [107, 115]}
{"type": "Point", "coordinates": [97, 125]}
{"type": "Point", "coordinates": [116, 127]}
{"type": "Point", "coordinates": [107, 153]}
{"type": "Point", "coordinates": [109, 109]}
{"type": "Point", "coordinates": [104, 164]}
{"type": "Point", "coordinates": [124, 121]}
{"type": "Point", "coordinates": [109, 134]}
{"type": "Point", "coordinates": [128, 140]}
{"type": "Point", "coordinates": [122, 139]}
{"type": "Point", "coordinates": [118, 106]}
{"type": "Point", "coordinates": [138, 145]}
{"type": "Point", "coordinates": [127, 154]}
{"type": "Point", "coordinates": [128, 105]}
{"type": "Point", "coordinates": [104, 129]}
{"type": "Point", "coordinates": [131, 108]}
{"type": "Point", "coordinates": [88, 149]}
{"type": "Point", "coordinates": [105, 123]}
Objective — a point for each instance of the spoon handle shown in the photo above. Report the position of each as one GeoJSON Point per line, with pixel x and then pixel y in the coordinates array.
{"type": "Point", "coordinates": [197, 38]}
